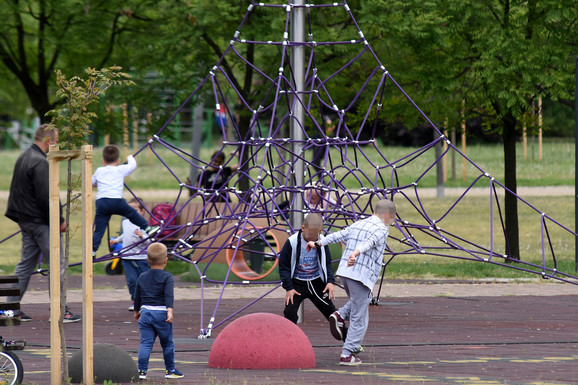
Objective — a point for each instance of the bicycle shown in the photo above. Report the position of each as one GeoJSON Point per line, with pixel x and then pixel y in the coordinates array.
{"type": "Point", "coordinates": [11, 369]}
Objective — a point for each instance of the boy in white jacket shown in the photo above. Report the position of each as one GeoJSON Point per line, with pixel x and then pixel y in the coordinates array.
{"type": "Point", "coordinates": [109, 181]}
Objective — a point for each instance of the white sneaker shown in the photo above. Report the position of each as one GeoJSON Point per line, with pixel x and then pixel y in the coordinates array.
{"type": "Point", "coordinates": [349, 361]}
{"type": "Point", "coordinates": [151, 230]}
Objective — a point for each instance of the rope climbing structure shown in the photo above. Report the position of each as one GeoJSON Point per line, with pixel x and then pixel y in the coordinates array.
{"type": "Point", "coordinates": [345, 169]}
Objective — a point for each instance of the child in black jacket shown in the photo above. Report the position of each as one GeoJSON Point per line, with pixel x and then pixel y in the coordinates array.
{"type": "Point", "coordinates": [307, 274]}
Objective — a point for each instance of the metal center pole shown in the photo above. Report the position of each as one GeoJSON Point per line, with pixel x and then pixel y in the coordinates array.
{"type": "Point", "coordinates": [576, 162]}
{"type": "Point", "coordinates": [298, 66]}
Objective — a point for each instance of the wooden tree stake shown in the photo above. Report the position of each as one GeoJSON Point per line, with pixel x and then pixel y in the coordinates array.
{"type": "Point", "coordinates": [54, 156]}
{"type": "Point", "coordinates": [87, 268]}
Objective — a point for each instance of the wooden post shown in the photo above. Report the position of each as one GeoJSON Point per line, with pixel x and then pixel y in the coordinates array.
{"type": "Point", "coordinates": [540, 128]}
{"type": "Point", "coordinates": [135, 130]}
{"type": "Point", "coordinates": [464, 140]}
{"type": "Point", "coordinates": [87, 268]}
{"type": "Point", "coordinates": [54, 156]}
{"type": "Point", "coordinates": [55, 344]}
{"type": "Point", "coordinates": [107, 136]}
{"type": "Point", "coordinates": [445, 160]}
{"type": "Point", "coordinates": [454, 141]}
{"type": "Point", "coordinates": [150, 153]}
{"type": "Point", "coordinates": [525, 141]}
{"type": "Point", "coordinates": [125, 131]}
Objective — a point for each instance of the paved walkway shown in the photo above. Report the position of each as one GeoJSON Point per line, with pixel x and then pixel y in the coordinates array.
{"type": "Point", "coordinates": [423, 332]}
{"type": "Point", "coordinates": [425, 192]}
{"type": "Point", "coordinates": [107, 289]}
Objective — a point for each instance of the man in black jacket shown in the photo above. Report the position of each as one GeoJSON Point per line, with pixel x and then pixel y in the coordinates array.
{"type": "Point", "coordinates": [28, 205]}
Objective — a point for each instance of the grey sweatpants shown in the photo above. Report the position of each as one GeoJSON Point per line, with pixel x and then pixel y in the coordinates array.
{"type": "Point", "coordinates": [35, 243]}
{"type": "Point", "coordinates": [356, 310]}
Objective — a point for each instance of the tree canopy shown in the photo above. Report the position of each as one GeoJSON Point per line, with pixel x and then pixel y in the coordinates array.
{"type": "Point", "coordinates": [498, 56]}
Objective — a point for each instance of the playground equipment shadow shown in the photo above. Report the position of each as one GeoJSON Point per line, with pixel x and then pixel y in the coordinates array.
{"type": "Point", "coordinates": [435, 332]}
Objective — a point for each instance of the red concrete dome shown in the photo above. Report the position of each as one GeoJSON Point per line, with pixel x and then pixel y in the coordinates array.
{"type": "Point", "coordinates": [262, 341]}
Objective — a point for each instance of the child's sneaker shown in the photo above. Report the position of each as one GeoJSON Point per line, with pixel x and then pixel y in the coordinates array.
{"type": "Point", "coordinates": [23, 317]}
{"type": "Point", "coordinates": [151, 230]}
{"type": "Point", "coordinates": [337, 326]}
{"type": "Point", "coordinates": [173, 374]}
{"type": "Point", "coordinates": [131, 307]}
{"type": "Point", "coordinates": [70, 318]}
{"type": "Point", "coordinates": [350, 360]}
{"type": "Point", "coordinates": [142, 375]}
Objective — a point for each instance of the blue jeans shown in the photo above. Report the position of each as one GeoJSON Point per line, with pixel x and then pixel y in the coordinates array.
{"type": "Point", "coordinates": [133, 268]}
{"type": "Point", "coordinates": [107, 207]}
{"type": "Point", "coordinates": [151, 325]}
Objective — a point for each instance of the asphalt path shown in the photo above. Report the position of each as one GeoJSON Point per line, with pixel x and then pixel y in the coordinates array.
{"type": "Point", "coordinates": [422, 332]}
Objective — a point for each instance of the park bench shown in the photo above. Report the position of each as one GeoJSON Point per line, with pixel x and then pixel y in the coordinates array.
{"type": "Point", "coordinates": [9, 288]}
{"type": "Point", "coordinates": [210, 225]}
{"type": "Point", "coordinates": [191, 213]}
{"type": "Point", "coordinates": [11, 369]}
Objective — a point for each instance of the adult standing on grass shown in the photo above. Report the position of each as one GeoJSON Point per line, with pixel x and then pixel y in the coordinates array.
{"type": "Point", "coordinates": [28, 205]}
{"type": "Point", "coordinates": [359, 270]}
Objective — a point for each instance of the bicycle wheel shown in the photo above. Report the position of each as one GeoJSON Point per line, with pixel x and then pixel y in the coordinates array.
{"type": "Point", "coordinates": [11, 371]}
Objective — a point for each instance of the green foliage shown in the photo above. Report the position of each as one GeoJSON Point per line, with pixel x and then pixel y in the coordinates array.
{"type": "Point", "coordinates": [499, 56]}
{"type": "Point", "coordinates": [40, 36]}
{"type": "Point", "coordinates": [74, 119]}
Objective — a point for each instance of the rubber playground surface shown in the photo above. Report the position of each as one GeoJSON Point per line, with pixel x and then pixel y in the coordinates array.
{"type": "Point", "coordinates": [421, 333]}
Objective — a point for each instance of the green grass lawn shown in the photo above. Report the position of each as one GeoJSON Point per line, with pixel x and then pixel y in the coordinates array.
{"type": "Point", "coordinates": [470, 219]}
{"type": "Point", "coordinates": [555, 169]}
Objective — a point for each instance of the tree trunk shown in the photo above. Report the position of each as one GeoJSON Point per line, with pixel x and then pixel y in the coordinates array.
{"type": "Point", "coordinates": [64, 288]}
{"type": "Point", "coordinates": [42, 107]}
{"type": "Point", "coordinates": [38, 96]}
{"type": "Point", "coordinates": [511, 201]}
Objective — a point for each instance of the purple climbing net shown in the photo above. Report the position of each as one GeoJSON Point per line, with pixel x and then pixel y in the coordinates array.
{"type": "Point", "coordinates": [336, 164]}
{"type": "Point", "coordinates": [335, 156]}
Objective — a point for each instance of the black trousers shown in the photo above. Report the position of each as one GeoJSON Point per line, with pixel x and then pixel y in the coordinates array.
{"type": "Point", "coordinates": [312, 290]}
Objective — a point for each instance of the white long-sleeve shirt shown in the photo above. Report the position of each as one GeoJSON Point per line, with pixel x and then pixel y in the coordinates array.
{"type": "Point", "coordinates": [369, 236]}
{"type": "Point", "coordinates": [109, 180]}
{"type": "Point", "coordinates": [128, 237]}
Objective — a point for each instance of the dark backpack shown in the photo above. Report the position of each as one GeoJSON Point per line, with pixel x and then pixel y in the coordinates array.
{"type": "Point", "coordinates": [163, 212]}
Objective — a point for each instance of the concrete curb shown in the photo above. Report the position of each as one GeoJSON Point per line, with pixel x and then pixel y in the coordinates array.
{"type": "Point", "coordinates": [430, 289]}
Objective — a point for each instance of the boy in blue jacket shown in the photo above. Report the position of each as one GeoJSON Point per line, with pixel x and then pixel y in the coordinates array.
{"type": "Point", "coordinates": [153, 310]}
{"type": "Point", "coordinates": [307, 273]}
